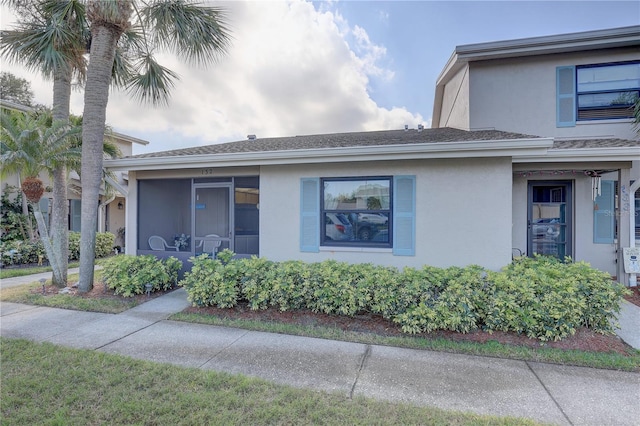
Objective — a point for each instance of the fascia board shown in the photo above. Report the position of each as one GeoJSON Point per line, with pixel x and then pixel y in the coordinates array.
{"type": "Point", "coordinates": [467, 149]}
{"type": "Point", "coordinates": [583, 154]}
{"type": "Point", "coordinates": [559, 43]}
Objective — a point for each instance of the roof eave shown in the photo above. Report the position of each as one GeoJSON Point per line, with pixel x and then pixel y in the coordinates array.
{"type": "Point", "coordinates": [466, 149]}
{"type": "Point", "coordinates": [582, 154]}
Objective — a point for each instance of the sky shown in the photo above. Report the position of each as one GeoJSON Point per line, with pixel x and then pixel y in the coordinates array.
{"type": "Point", "coordinates": [299, 67]}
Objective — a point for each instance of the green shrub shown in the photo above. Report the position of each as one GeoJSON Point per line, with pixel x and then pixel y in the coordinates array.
{"type": "Point", "coordinates": [127, 275]}
{"type": "Point", "coordinates": [19, 252]}
{"type": "Point", "coordinates": [549, 299]}
{"type": "Point", "coordinates": [211, 282]}
{"type": "Point", "coordinates": [543, 298]}
{"type": "Point", "coordinates": [447, 299]}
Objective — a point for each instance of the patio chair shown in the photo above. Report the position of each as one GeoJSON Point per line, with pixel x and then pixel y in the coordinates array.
{"type": "Point", "coordinates": [156, 242]}
{"type": "Point", "coordinates": [210, 246]}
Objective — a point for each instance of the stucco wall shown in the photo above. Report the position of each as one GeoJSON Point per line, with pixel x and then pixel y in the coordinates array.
{"type": "Point", "coordinates": [519, 95]}
{"type": "Point", "coordinates": [463, 210]}
{"type": "Point", "coordinates": [455, 101]}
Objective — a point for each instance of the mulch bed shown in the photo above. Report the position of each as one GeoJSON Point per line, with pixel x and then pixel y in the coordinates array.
{"type": "Point", "coordinates": [635, 295]}
{"type": "Point", "coordinates": [98, 292]}
{"type": "Point", "coordinates": [584, 339]}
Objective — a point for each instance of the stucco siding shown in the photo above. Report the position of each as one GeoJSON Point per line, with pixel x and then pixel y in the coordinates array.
{"type": "Point", "coordinates": [455, 102]}
{"type": "Point", "coordinates": [463, 212]}
{"type": "Point", "coordinates": [519, 95]}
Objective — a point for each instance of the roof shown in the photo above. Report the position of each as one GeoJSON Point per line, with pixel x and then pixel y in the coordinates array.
{"type": "Point", "coordinates": [409, 144]}
{"type": "Point", "coordinates": [343, 140]}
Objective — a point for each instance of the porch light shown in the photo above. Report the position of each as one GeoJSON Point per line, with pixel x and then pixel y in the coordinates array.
{"type": "Point", "coordinates": [120, 205]}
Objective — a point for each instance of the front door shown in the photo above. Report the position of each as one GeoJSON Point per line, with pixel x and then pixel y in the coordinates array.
{"type": "Point", "coordinates": [549, 218]}
{"type": "Point", "coordinates": [213, 221]}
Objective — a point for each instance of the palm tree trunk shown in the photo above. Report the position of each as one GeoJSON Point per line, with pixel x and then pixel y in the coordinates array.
{"type": "Point", "coordinates": [25, 212]}
{"type": "Point", "coordinates": [104, 38]}
{"type": "Point", "coordinates": [60, 207]}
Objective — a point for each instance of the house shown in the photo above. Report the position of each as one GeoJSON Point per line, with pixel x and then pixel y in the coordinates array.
{"type": "Point", "coordinates": [476, 188]}
{"type": "Point", "coordinates": [112, 205]}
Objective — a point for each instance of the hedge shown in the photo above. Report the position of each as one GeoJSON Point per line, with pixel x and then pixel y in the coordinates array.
{"type": "Point", "coordinates": [543, 298]}
{"type": "Point", "coordinates": [23, 252]}
{"type": "Point", "coordinates": [128, 275]}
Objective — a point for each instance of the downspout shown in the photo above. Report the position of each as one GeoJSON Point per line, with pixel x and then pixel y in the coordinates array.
{"type": "Point", "coordinates": [633, 281]}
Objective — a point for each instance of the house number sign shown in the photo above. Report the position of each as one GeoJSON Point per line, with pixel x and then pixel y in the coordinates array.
{"type": "Point", "coordinates": [207, 172]}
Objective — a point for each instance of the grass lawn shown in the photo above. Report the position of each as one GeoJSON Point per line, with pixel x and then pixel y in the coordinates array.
{"type": "Point", "coordinates": [47, 384]}
{"type": "Point", "coordinates": [21, 272]}
{"type": "Point", "coordinates": [29, 294]}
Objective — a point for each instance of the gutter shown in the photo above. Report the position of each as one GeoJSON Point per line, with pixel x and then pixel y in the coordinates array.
{"type": "Point", "coordinates": [583, 154]}
{"type": "Point", "coordinates": [470, 149]}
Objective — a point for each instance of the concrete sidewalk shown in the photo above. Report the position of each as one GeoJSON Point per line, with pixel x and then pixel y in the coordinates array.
{"type": "Point", "coordinates": [544, 392]}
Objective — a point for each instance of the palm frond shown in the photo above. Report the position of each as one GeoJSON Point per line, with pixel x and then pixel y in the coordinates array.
{"type": "Point", "coordinates": [192, 31]}
{"type": "Point", "coordinates": [152, 82]}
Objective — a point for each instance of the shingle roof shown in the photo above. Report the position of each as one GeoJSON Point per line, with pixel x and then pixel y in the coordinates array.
{"type": "Point", "coordinates": [595, 143]}
{"type": "Point", "coordinates": [343, 140]}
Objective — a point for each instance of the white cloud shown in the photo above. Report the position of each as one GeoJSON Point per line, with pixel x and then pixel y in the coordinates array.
{"type": "Point", "coordinates": [289, 71]}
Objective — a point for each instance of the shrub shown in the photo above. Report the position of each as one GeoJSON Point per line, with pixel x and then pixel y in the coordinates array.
{"type": "Point", "coordinates": [127, 275]}
{"type": "Point", "coordinates": [542, 298]}
{"type": "Point", "coordinates": [211, 282]}
{"type": "Point", "coordinates": [22, 252]}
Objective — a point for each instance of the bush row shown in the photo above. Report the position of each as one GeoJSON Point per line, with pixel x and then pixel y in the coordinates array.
{"type": "Point", "coordinates": [542, 298]}
{"type": "Point", "coordinates": [20, 252]}
{"type": "Point", "coordinates": [127, 275]}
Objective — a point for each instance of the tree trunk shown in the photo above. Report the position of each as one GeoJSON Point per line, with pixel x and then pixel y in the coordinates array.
{"type": "Point", "coordinates": [46, 242]}
{"type": "Point", "coordinates": [25, 212]}
{"type": "Point", "coordinates": [104, 38]}
{"type": "Point", "coordinates": [60, 207]}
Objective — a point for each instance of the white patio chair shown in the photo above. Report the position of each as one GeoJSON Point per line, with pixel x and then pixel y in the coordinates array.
{"type": "Point", "coordinates": [156, 242]}
{"type": "Point", "coordinates": [210, 246]}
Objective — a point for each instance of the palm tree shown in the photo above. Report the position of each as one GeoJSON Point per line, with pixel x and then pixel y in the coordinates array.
{"type": "Point", "coordinates": [30, 145]}
{"type": "Point", "coordinates": [51, 37]}
{"type": "Point", "coordinates": [194, 32]}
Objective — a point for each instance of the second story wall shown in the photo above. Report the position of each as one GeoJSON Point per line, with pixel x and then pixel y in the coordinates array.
{"type": "Point", "coordinates": [455, 101]}
{"type": "Point", "coordinates": [519, 95]}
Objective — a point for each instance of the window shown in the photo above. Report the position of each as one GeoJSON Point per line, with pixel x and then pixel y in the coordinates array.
{"type": "Point", "coordinates": [336, 212]}
{"type": "Point", "coordinates": [356, 211]}
{"type": "Point", "coordinates": [607, 91]}
{"type": "Point", "coordinates": [596, 92]}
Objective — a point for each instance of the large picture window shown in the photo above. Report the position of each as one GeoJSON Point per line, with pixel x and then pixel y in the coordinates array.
{"type": "Point", "coordinates": [607, 91]}
{"type": "Point", "coordinates": [356, 211]}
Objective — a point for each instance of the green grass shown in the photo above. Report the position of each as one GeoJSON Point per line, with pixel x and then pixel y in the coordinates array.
{"type": "Point", "coordinates": [611, 360]}
{"type": "Point", "coordinates": [21, 272]}
{"type": "Point", "coordinates": [25, 294]}
{"type": "Point", "coordinates": [47, 384]}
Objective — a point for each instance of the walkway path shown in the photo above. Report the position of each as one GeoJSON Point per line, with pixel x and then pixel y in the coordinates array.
{"type": "Point", "coordinates": [548, 393]}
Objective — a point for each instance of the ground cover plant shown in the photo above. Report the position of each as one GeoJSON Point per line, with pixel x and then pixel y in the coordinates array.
{"type": "Point", "coordinates": [542, 298]}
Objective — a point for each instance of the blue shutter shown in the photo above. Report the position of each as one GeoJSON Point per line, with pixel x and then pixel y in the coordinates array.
{"type": "Point", "coordinates": [309, 214]}
{"type": "Point", "coordinates": [565, 96]}
{"type": "Point", "coordinates": [404, 216]}
{"type": "Point", "coordinates": [76, 215]}
{"type": "Point", "coordinates": [604, 214]}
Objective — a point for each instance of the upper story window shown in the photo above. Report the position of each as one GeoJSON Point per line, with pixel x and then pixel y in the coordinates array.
{"type": "Point", "coordinates": [356, 211]}
{"type": "Point", "coordinates": [607, 91]}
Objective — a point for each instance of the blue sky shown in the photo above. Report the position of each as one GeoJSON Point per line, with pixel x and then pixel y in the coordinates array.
{"type": "Point", "coordinates": [298, 67]}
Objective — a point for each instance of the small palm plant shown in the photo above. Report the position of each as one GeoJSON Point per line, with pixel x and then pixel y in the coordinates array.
{"type": "Point", "coordinates": [32, 144]}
